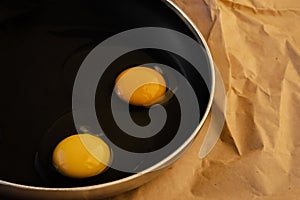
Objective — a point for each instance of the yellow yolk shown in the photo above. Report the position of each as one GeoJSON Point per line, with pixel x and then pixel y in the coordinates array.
{"type": "Point", "coordinates": [140, 86]}
{"type": "Point", "coordinates": [81, 156]}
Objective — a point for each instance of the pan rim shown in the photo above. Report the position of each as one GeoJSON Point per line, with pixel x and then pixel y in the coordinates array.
{"type": "Point", "coordinates": [169, 158]}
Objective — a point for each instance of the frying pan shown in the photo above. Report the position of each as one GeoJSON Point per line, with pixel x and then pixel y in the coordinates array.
{"type": "Point", "coordinates": [43, 44]}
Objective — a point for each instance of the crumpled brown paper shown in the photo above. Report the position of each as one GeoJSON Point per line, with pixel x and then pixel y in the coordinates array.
{"type": "Point", "coordinates": [256, 46]}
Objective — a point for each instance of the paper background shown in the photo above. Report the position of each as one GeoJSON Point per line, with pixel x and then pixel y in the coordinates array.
{"type": "Point", "coordinates": [256, 45]}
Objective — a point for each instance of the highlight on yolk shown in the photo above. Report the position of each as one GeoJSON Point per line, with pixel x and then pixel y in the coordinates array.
{"type": "Point", "coordinates": [140, 86]}
{"type": "Point", "coordinates": [81, 156]}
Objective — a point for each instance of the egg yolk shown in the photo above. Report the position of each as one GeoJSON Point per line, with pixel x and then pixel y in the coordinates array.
{"type": "Point", "coordinates": [140, 86]}
{"type": "Point", "coordinates": [81, 156]}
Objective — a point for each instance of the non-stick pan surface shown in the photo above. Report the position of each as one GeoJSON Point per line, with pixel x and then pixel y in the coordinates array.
{"type": "Point", "coordinates": [42, 45]}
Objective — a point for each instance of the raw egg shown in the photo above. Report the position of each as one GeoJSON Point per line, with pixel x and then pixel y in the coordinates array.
{"type": "Point", "coordinates": [140, 86]}
{"type": "Point", "coordinates": [81, 156]}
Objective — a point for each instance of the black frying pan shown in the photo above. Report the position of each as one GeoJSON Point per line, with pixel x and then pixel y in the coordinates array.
{"type": "Point", "coordinates": [43, 44]}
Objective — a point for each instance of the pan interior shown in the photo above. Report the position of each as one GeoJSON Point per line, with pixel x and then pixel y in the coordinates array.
{"type": "Point", "coordinates": [43, 44]}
